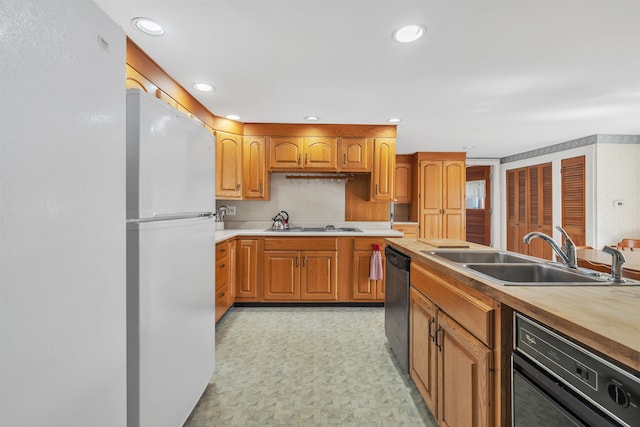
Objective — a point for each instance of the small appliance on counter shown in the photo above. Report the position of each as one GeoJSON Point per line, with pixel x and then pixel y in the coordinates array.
{"type": "Point", "coordinates": [280, 221]}
{"type": "Point", "coordinates": [220, 213]}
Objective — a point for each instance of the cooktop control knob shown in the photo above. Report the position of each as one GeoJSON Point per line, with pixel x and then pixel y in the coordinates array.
{"type": "Point", "coordinates": [617, 394]}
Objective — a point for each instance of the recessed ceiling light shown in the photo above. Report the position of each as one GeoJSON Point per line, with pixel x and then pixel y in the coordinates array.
{"type": "Point", "coordinates": [394, 120]}
{"type": "Point", "coordinates": [468, 147]}
{"type": "Point", "coordinates": [148, 26]}
{"type": "Point", "coordinates": [409, 33]}
{"type": "Point", "coordinates": [232, 117]}
{"type": "Point", "coordinates": [203, 87]}
{"type": "Point", "coordinates": [312, 118]}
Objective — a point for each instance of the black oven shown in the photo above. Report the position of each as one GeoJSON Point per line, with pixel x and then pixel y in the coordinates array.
{"type": "Point", "coordinates": [558, 382]}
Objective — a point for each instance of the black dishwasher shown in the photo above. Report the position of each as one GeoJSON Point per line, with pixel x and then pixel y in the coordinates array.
{"type": "Point", "coordinates": [396, 305]}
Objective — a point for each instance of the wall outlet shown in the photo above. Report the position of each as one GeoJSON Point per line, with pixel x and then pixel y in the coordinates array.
{"type": "Point", "coordinates": [231, 210]}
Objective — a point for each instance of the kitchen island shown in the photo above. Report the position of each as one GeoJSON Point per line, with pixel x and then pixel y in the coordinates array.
{"type": "Point", "coordinates": [473, 315]}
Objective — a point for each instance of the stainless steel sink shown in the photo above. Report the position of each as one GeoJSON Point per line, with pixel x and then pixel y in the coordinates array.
{"type": "Point", "coordinates": [510, 269]}
{"type": "Point", "coordinates": [534, 274]}
{"type": "Point", "coordinates": [481, 257]}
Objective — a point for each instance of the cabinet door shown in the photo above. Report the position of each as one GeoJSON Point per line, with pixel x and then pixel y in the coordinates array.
{"type": "Point", "coordinates": [320, 153]}
{"type": "Point", "coordinates": [430, 195]}
{"type": "Point", "coordinates": [464, 377]}
{"type": "Point", "coordinates": [281, 275]}
{"type": "Point", "coordinates": [384, 169]}
{"type": "Point", "coordinates": [403, 182]}
{"type": "Point", "coordinates": [285, 153]}
{"type": "Point", "coordinates": [255, 182]}
{"type": "Point", "coordinates": [228, 166]}
{"type": "Point", "coordinates": [355, 155]}
{"type": "Point", "coordinates": [318, 275]}
{"type": "Point", "coordinates": [453, 200]}
{"type": "Point", "coordinates": [423, 355]}
{"type": "Point", "coordinates": [363, 287]}
{"type": "Point", "coordinates": [246, 280]}
{"type": "Point", "coordinates": [232, 271]}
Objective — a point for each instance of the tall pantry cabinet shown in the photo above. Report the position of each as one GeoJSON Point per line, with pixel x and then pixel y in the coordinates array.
{"type": "Point", "coordinates": [439, 207]}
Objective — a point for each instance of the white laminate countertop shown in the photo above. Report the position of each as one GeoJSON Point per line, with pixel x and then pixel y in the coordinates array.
{"type": "Point", "coordinates": [222, 235]}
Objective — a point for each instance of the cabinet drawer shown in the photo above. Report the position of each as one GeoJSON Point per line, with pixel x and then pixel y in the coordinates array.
{"type": "Point", "coordinates": [222, 249]}
{"type": "Point", "coordinates": [222, 273]}
{"type": "Point", "coordinates": [301, 244]}
{"type": "Point", "coordinates": [365, 244]}
{"type": "Point", "coordinates": [474, 315]}
{"type": "Point", "coordinates": [222, 301]}
{"type": "Point", "coordinates": [409, 230]}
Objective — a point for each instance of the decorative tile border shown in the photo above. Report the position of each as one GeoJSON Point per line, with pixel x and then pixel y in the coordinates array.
{"type": "Point", "coordinates": [569, 145]}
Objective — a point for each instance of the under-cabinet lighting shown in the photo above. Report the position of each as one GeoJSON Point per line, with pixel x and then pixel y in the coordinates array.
{"type": "Point", "coordinates": [232, 117]}
{"type": "Point", "coordinates": [312, 118]}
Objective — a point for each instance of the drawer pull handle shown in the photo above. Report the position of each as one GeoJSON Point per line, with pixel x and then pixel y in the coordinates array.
{"type": "Point", "coordinates": [221, 295]}
{"type": "Point", "coordinates": [432, 321]}
{"type": "Point", "coordinates": [222, 265]}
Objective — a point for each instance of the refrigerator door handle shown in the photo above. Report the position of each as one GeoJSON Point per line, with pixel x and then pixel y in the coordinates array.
{"type": "Point", "coordinates": [169, 217]}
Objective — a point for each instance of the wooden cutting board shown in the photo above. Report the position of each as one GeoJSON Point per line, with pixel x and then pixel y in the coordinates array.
{"type": "Point", "coordinates": [445, 243]}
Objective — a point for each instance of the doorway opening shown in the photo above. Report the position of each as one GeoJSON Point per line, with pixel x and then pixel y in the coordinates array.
{"type": "Point", "coordinates": [478, 204]}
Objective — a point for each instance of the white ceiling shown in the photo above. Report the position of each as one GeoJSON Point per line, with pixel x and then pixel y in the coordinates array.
{"type": "Point", "coordinates": [505, 76]}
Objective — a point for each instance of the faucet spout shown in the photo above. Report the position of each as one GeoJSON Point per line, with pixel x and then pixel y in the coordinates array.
{"type": "Point", "coordinates": [617, 260]}
{"type": "Point", "coordinates": [533, 234]}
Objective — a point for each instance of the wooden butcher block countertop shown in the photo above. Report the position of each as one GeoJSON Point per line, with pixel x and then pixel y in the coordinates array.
{"type": "Point", "coordinates": [605, 318]}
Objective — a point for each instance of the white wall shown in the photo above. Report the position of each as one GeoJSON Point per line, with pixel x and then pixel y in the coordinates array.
{"type": "Point", "coordinates": [618, 179]}
{"type": "Point", "coordinates": [308, 201]}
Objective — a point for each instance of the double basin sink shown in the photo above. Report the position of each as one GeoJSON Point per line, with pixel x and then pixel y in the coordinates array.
{"type": "Point", "coordinates": [509, 269]}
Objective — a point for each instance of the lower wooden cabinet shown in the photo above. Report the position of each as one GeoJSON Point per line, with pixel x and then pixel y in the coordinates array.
{"type": "Point", "coordinates": [224, 297]}
{"type": "Point", "coordinates": [410, 230]}
{"type": "Point", "coordinates": [248, 265]}
{"type": "Point", "coordinates": [362, 287]}
{"type": "Point", "coordinates": [423, 351]}
{"type": "Point", "coordinates": [464, 376]}
{"type": "Point", "coordinates": [451, 366]}
{"type": "Point", "coordinates": [293, 271]}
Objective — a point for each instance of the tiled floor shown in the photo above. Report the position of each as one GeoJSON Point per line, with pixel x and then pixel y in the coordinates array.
{"type": "Point", "coordinates": [307, 366]}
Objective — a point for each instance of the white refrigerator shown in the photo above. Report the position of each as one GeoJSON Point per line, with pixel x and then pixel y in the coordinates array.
{"type": "Point", "coordinates": [62, 216]}
{"type": "Point", "coordinates": [170, 262]}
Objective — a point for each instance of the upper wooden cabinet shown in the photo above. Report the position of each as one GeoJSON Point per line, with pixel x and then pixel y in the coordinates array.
{"type": "Point", "coordinates": [294, 153]}
{"type": "Point", "coordinates": [442, 199]}
{"type": "Point", "coordinates": [285, 153]}
{"type": "Point", "coordinates": [403, 178]}
{"type": "Point", "coordinates": [255, 177]}
{"type": "Point", "coordinates": [354, 155]}
{"type": "Point", "coordinates": [228, 166]}
{"type": "Point", "coordinates": [320, 153]}
{"type": "Point", "coordinates": [384, 169]}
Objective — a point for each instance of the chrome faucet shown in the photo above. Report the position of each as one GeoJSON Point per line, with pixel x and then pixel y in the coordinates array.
{"type": "Point", "coordinates": [618, 259]}
{"type": "Point", "coordinates": [567, 254]}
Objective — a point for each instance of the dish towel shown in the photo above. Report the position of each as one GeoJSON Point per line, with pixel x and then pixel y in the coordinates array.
{"type": "Point", "coordinates": [375, 269]}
